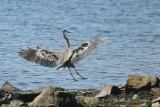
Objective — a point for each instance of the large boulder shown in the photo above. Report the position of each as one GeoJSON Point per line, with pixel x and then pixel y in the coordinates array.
{"type": "Point", "coordinates": [109, 90]}
{"type": "Point", "coordinates": [8, 92]}
{"type": "Point", "coordinates": [28, 95]}
{"type": "Point", "coordinates": [46, 97]}
{"type": "Point", "coordinates": [55, 97]}
{"type": "Point", "coordinates": [140, 83]}
{"type": "Point", "coordinates": [9, 88]}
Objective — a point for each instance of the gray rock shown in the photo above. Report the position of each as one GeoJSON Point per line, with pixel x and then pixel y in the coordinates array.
{"type": "Point", "coordinates": [55, 97]}
{"type": "Point", "coordinates": [9, 88]}
{"type": "Point", "coordinates": [46, 97]}
{"type": "Point", "coordinates": [109, 90]}
{"type": "Point", "coordinates": [140, 83]}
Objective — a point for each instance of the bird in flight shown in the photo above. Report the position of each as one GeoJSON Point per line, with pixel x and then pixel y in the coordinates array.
{"type": "Point", "coordinates": [65, 59]}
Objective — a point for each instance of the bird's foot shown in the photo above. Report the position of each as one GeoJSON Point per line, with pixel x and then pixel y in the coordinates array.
{"type": "Point", "coordinates": [83, 78]}
{"type": "Point", "coordinates": [59, 67]}
{"type": "Point", "coordinates": [75, 80]}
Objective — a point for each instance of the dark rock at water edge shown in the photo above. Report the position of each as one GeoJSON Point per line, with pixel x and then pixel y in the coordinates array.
{"type": "Point", "coordinates": [9, 88]}
{"type": "Point", "coordinates": [109, 90]}
{"type": "Point", "coordinates": [140, 83]}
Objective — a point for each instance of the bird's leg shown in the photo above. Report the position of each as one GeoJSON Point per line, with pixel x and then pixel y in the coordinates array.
{"type": "Point", "coordinates": [79, 74]}
{"type": "Point", "coordinates": [72, 74]}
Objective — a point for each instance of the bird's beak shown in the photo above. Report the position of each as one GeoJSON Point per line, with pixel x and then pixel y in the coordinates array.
{"type": "Point", "coordinates": [65, 32]}
{"type": "Point", "coordinates": [68, 31]}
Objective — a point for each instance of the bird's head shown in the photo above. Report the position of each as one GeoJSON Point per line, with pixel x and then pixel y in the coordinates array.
{"type": "Point", "coordinates": [65, 33]}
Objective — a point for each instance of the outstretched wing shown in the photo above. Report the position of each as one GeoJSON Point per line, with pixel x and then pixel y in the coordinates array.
{"type": "Point", "coordinates": [86, 48]}
{"type": "Point", "coordinates": [40, 56]}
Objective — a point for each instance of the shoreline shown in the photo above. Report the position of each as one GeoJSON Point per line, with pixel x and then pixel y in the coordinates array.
{"type": "Point", "coordinates": [141, 91]}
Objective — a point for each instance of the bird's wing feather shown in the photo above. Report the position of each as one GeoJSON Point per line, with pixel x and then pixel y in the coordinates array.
{"type": "Point", "coordinates": [86, 48]}
{"type": "Point", "coordinates": [40, 56]}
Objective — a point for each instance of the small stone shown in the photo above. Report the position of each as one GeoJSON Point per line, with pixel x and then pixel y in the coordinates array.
{"type": "Point", "coordinates": [139, 83]}
{"type": "Point", "coordinates": [51, 105]}
{"type": "Point", "coordinates": [144, 104]}
{"type": "Point", "coordinates": [134, 96]}
{"type": "Point", "coordinates": [90, 101]}
{"type": "Point", "coordinates": [122, 100]}
{"type": "Point", "coordinates": [109, 90]}
{"type": "Point", "coordinates": [122, 106]}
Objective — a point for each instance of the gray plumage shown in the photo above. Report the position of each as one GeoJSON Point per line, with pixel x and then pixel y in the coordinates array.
{"type": "Point", "coordinates": [65, 58]}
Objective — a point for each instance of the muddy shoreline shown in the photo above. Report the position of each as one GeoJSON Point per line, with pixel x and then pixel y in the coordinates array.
{"type": "Point", "coordinates": [138, 91]}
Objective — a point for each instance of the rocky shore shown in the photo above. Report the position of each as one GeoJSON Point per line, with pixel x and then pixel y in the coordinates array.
{"type": "Point", "coordinates": [138, 91]}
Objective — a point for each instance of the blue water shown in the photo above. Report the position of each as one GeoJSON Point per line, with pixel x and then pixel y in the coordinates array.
{"type": "Point", "coordinates": [131, 29]}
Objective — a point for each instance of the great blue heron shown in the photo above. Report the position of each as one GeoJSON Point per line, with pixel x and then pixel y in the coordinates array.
{"type": "Point", "coordinates": [65, 58]}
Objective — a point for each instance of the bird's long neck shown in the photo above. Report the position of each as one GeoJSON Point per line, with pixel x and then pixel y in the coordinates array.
{"type": "Point", "coordinates": [66, 40]}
